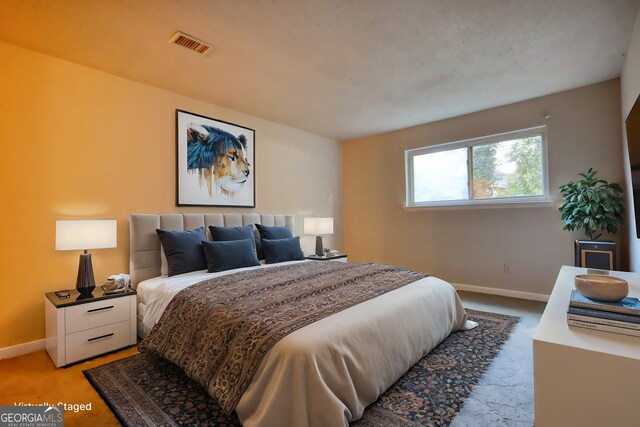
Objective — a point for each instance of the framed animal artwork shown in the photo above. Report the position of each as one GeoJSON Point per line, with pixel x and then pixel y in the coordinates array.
{"type": "Point", "coordinates": [216, 162]}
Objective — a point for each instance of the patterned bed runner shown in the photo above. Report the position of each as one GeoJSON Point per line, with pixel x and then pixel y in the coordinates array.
{"type": "Point", "coordinates": [219, 330]}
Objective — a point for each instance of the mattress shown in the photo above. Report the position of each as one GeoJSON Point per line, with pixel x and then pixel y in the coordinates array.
{"type": "Point", "coordinates": [326, 373]}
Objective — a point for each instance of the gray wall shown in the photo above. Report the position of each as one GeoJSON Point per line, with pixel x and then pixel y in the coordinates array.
{"type": "Point", "coordinates": [470, 245]}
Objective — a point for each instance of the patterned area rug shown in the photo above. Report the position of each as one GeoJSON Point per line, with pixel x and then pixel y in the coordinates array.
{"type": "Point", "coordinates": [144, 390]}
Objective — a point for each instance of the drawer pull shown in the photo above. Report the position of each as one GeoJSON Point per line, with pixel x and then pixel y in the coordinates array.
{"type": "Point", "coordinates": [101, 336]}
{"type": "Point", "coordinates": [99, 309]}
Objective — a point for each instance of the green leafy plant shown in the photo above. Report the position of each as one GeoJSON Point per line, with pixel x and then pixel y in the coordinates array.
{"type": "Point", "coordinates": [592, 204]}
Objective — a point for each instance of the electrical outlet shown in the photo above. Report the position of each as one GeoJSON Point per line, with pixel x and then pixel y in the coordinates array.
{"type": "Point", "coordinates": [507, 268]}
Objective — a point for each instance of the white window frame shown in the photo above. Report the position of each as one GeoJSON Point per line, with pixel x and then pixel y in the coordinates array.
{"type": "Point", "coordinates": [468, 144]}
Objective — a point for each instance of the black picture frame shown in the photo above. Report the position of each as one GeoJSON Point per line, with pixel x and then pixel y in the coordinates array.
{"type": "Point", "coordinates": [599, 254]}
{"type": "Point", "coordinates": [215, 162]}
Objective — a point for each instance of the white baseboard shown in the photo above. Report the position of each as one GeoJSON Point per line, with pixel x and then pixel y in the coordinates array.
{"type": "Point", "coordinates": [20, 349]}
{"type": "Point", "coordinates": [501, 292]}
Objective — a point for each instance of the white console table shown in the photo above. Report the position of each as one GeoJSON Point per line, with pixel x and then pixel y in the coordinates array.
{"type": "Point", "coordinates": [583, 377]}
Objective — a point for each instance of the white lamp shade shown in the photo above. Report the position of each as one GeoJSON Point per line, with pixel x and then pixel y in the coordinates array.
{"type": "Point", "coordinates": [318, 226]}
{"type": "Point", "coordinates": [86, 234]}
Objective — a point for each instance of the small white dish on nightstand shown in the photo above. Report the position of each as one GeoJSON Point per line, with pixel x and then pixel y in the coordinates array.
{"type": "Point", "coordinates": [601, 287]}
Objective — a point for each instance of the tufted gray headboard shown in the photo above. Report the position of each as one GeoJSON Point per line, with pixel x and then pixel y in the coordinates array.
{"type": "Point", "coordinates": [144, 244]}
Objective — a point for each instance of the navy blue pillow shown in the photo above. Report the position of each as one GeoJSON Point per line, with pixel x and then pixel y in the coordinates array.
{"type": "Point", "coordinates": [267, 232]}
{"type": "Point", "coordinates": [259, 249]}
{"type": "Point", "coordinates": [183, 250]}
{"type": "Point", "coordinates": [281, 250]}
{"type": "Point", "coordinates": [227, 255]}
{"type": "Point", "coordinates": [219, 234]}
{"type": "Point", "coordinates": [272, 233]}
{"type": "Point", "coordinates": [236, 233]}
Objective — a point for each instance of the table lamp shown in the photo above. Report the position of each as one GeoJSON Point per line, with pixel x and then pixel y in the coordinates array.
{"type": "Point", "coordinates": [76, 235]}
{"type": "Point", "coordinates": [318, 226]}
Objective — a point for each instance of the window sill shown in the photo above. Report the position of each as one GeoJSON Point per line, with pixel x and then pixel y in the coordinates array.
{"type": "Point", "coordinates": [489, 204]}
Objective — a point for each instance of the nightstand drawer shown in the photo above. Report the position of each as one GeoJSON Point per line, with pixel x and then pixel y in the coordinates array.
{"type": "Point", "coordinates": [86, 316]}
{"type": "Point", "coordinates": [89, 343]}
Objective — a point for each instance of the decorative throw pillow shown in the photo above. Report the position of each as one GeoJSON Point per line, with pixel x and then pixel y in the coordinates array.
{"type": "Point", "coordinates": [222, 234]}
{"type": "Point", "coordinates": [225, 234]}
{"type": "Point", "coordinates": [272, 233]}
{"type": "Point", "coordinates": [281, 250]}
{"type": "Point", "coordinates": [259, 249]}
{"type": "Point", "coordinates": [164, 267]}
{"type": "Point", "coordinates": [227, 255]}
{"type": "Point", "coordinates": [183, 250]}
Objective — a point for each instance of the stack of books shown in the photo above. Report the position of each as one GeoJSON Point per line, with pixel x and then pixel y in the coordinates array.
{"type": "Point", "coordinates": [619, 317]}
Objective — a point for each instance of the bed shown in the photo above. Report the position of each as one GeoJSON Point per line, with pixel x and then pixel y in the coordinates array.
{"type": "Point", "coordinates": [328, 371]}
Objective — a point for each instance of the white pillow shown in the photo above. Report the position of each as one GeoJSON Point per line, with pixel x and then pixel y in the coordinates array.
{"type": "Point", "coordinates": [164, 267]}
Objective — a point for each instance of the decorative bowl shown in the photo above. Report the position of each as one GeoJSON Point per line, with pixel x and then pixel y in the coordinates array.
{"type": "Point", "coordinates": [602, 287]}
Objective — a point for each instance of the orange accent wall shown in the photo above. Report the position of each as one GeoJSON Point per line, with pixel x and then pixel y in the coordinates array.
{"type": "Point", "coordinates": [77, 143]}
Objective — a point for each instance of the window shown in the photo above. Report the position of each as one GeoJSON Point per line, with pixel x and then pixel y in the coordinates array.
{"type": "Point", "coordinates": [505, 168]}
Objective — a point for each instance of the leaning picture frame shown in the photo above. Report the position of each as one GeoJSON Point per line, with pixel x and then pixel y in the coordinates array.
{"type": "Point", "coordinates": [215, 162]}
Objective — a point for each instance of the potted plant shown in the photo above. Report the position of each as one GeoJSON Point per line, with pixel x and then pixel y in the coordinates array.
{"type": "Point", "coordinates": [595, 206]}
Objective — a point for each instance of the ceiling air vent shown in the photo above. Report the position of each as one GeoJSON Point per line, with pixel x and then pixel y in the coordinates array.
{"type": "Point", "coordinates": [190, 42]}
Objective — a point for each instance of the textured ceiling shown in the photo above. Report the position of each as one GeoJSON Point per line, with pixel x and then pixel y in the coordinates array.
{"type": "Point", "coordinates": [338, 68]}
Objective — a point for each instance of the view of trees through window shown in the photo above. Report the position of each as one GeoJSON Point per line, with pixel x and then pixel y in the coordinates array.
{"type": "Point", "coordinates": [508, 168]}
{"type": "Point", "coordinates": [512, 168]}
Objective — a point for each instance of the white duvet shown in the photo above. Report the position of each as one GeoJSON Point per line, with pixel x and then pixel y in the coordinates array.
{"type": "Point", "coordinates": [326, 373]}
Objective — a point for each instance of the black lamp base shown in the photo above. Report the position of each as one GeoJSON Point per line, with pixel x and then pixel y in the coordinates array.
{"type": "Point", "coordinates": [319, 248]}
{"type": "Point", "coordinates": [85, 283]}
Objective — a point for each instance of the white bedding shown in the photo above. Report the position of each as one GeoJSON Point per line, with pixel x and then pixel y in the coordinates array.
{"type": "Point", "coordinates": [326, 373]}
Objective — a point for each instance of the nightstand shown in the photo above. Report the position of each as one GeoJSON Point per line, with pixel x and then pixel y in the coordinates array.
{"type": "Point", "coordinates": [333, 257]}
{"type": "Point", "coordinates": [79, 327]}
